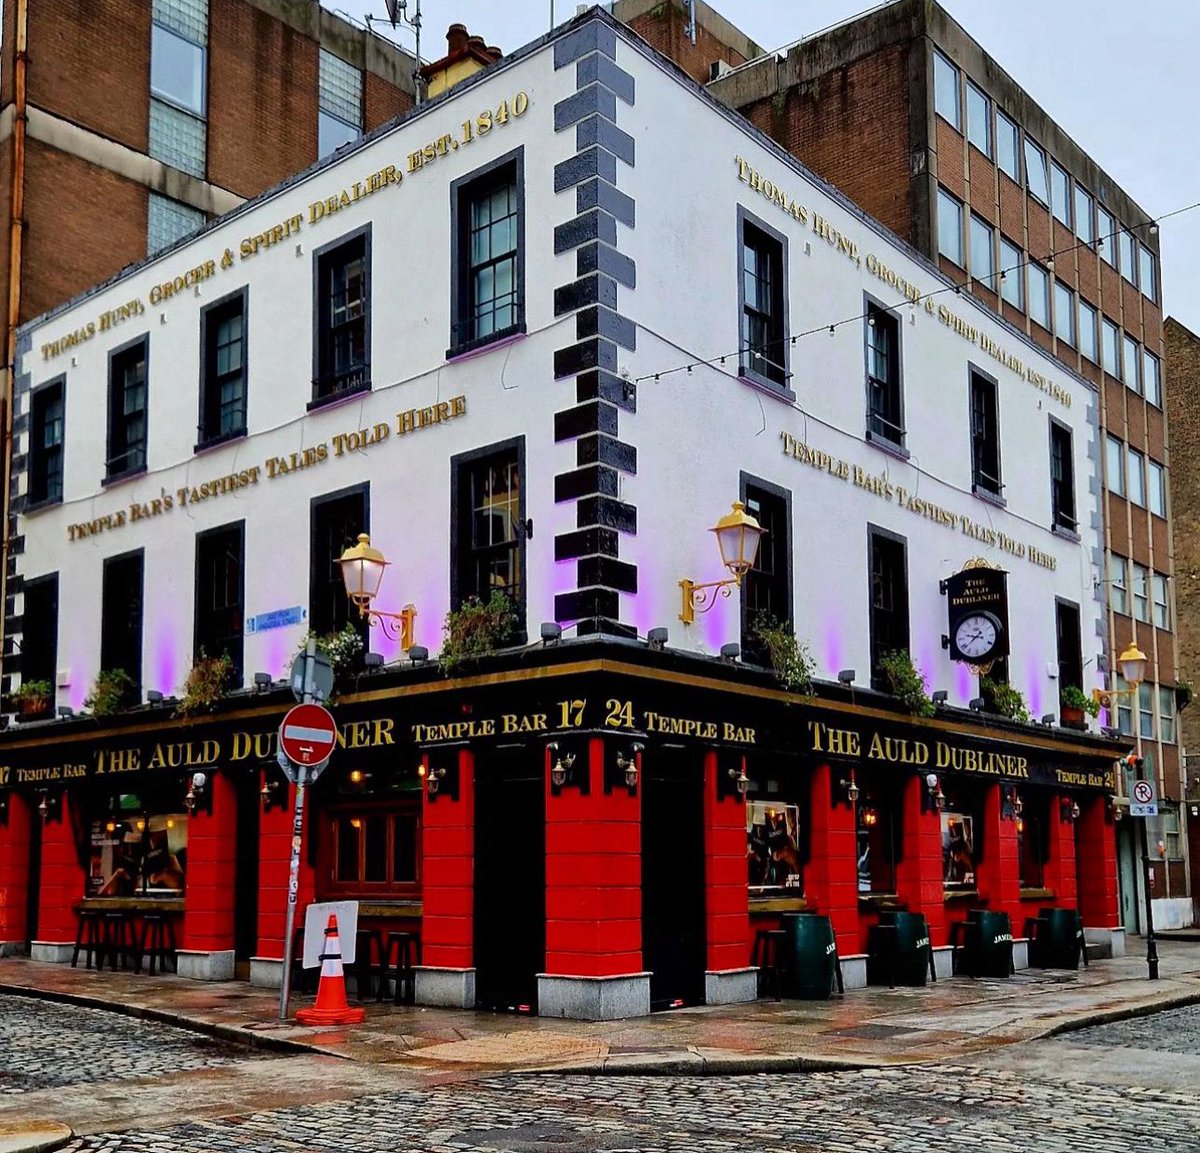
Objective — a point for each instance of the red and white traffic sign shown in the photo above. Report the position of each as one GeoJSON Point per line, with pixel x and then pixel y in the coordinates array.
{"type": "Point", "coordinates": [307, 735]}
{"type": "Point", "coordinates": [1143, 792]}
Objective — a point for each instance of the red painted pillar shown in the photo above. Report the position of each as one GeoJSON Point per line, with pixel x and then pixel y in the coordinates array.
{"type": "Point", "coordinates": [447, 974]}
{"type": "Point", "coordinates": [727, 895]}
{"type": "Point", "coordinates": [919, 872]}
{"type": "Point", "coordinates": [274, 861]}
{"type": "Point", "coordinates": [1096, 865]}
{"type": "Point", "coordinates": [15, 835]}
{"type": "Point", "coordinates": [62, 885]}
{"type": "Point", "coordinates": [1060, 854]}
{"type": "Point", "coordinates": [998, 874]}
{"type": "Point", "coordinates": [211, 883]}
{"type": "Point", "coordinates": [831, 876]}
{"type": "Point", "coordinates": [593, 874]}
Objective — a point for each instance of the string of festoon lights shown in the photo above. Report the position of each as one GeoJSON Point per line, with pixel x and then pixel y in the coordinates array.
{"type": "Point", "coordinates": [831, 327]}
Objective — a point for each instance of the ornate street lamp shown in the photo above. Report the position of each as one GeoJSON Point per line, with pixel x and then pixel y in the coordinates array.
{"type": "Point", "coordinates": [362, 573]}
{"type": "Point", "coordinates": [738, 535]}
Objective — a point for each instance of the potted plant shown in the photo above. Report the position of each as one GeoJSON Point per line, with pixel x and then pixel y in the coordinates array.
{"type": "Point", "coordinates": [475, 630]}
{"type": "Point", "coordinates": [1001, 698]}
{"type": "Point", "coordinates": [111, 693]}
{"type": "Point", "coordinates": [341, 648]}
{"type": "Point", "coordinates": [906, 682]}
{"type": "Point", "coordinates": [789, 659]}
{"type": "Point", "coordinates": [206, 684]}
{"type": "Point", "coordinates": [33, 698]}
{"type": "Point", "coordinates": [1074, 704]}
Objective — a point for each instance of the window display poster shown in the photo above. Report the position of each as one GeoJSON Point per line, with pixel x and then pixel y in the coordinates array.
{"type": "Point", "coordinates": [958, 850]}
{"type": "Point", "coordinates": [772, 847]}
{"type": "Point", "coordinates": [136, 854]}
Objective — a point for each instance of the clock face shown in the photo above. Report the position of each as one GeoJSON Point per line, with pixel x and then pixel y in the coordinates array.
{"type": "Point", "coordinates": [976, 635]}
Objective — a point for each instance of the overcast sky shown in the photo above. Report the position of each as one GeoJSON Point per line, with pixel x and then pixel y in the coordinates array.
{"type": "Point", "coordinates": [1122, 78]}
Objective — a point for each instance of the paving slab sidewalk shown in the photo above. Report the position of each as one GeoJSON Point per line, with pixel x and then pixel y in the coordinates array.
{"type": "Point", "coordinates": [949, 1020]}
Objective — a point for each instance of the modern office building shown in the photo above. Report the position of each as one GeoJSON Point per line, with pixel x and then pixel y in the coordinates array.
{"type": "Point", "coordinates": [597, 747]}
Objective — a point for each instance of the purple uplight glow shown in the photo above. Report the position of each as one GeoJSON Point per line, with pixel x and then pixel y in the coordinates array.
{"type": "Point", "coordinates": [1033, 679]}
{"type": "Point", "coordinates": [927, 661]}
{"type": "Point", "coordinates": [166, 666]}
{"type": "Point", "coordinates": [832, 643]}
{"type": "Point", "coordinates": [964, 690]}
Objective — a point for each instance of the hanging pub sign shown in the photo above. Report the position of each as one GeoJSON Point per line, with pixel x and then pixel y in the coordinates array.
{"type": "Point", "coordinates": [977, 611]}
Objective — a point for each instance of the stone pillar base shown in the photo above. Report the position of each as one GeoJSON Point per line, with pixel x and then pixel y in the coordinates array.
{"type": "Point", "coordinates": [444, 988]}
{"type": "Point", "coordinates": [266, 972]}
{"type": "Point", "coordinates": [198, 965]}
{"type": "Point", "coordinates": [12, 948]}
{"type": "Point", "coordinates": [51, 951]}
{"type": "Point", "coordinates": [943, 961]}
{"type": "Point", "coordinates": [854, 971]}
{"type": "Point", "coordinates": [594, 998]}
{"type": "Point", "coordinates": [1111, 941]}
{"type": "Point", "coordinates": [730, 986]}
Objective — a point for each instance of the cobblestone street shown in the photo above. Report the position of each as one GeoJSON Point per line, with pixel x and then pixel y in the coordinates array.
{"type": "Point", "coordinates": [903, 1110]}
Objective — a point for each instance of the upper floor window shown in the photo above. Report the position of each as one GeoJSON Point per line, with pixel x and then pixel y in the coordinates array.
{"type": "Point", "coordinates": [1062, 478]}
{"type": "Point", "coordinates": [1087, 331]}
{"type": "Point", "coordinates": [1137, 478]}
{"type": "Point", "coordinates": [223, 369]}
{"type": "Point", "coordinates": [488, 264]}
{"type": "Point", "coordinates": [1114, 464]}
{"type": "Point", "coordinates": [983, 253]}
{"type": "Point", "coordinates": [1084, 226]}
{"type": "Point", "coordinates": [335, 523]}
{"type": "Point", "coordinates": [178, 70]}
{"type": "Point", "coordinates": [950, 228]}
{"type": "Point", "coordinates": [1039, 295]}
{"type": "Point", "coordinates": [339, 103]}
{"type": "Point", "coordinates": [1008, 154]}
{"type": "Point", "coordinates": [121, 620]}
{"type": "Point", "coordinates": [1060, 194]}
{"type": "Point", "coordinates": [1106, 235]}
{"type": "Point", "coordinates": [885, 395]}
{"type": "Point", "coordinates": [1140, 580]}
{"type": "Point", "coordinates": [127, 385]}
{"type": "Point", "coordinates": [945, 90]}
{"type": "Point", "coordinates": [1157, 484]}
{"type": "Point", "coordinates": [767, 588]}
{"type": "Point", "coordinates": [888, 557]}
{"type": "Point", "coordinates": [1012, 274]}
{"type": "Point", "coordinates": [1162, 611]}
{"type": "Point", "coordinates": [1037, 179]}
{"type": "Point", "coordinates": [763, 296]}
{"type": "Point", "coordinates": [1151, 378]}
{"type": "Point", "coordinates": [1131, 364]}
{"type": "Point", "coordinates": [220, 596]}
{"type": "Point", "coordinates": [1128, 249]}
{"type": "Point", "coordinates": [985, 434]}
{"type": "Point", "coordinates": [488, 514]}
{"type": "Point", "coordinates": [1124, 706]}
{"type": "Point", "coordinates": [39, 633]}
{"type": "Point", "coordinates": [1064, 313]}
{"type": "Point", "coordinates": [979, 119]}
{"type": "Point", "coordinates": [1145, 696]}
{"type": "Point", "coordinates": [1070, 644]}
{"type": "Point", "coordinates": [46, 443]}
{"type": "Point", "coordinates": [342, 287]}
{"type": "Point", "coordinates": [1110, 342]}
{"type": "Point", "coordinates": [1118, 582]}
{"type": "Point", "coordinates": [1147, 272]}
{"type": "Point", "coordinates": [1166, 714]}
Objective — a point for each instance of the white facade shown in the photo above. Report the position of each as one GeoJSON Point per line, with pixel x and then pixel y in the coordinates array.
{"type": "Point", "coordinates": [696, 432]}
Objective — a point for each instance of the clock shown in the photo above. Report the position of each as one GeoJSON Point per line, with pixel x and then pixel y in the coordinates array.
{"type": "Point", "coordinates": [978, 635]}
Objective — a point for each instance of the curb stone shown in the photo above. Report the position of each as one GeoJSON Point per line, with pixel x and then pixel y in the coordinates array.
{"type": "Point", "coordinates": [33, 1135]}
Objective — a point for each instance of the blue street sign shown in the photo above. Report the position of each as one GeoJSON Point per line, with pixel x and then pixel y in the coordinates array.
{"type": "Point", "coordinates": [276, 619]}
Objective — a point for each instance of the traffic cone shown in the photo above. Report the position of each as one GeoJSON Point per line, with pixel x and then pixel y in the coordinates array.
{"type": "Point", "coordinates": [331, 1007]}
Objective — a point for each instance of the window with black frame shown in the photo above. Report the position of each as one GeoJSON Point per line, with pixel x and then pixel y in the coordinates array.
{"type": "Point", "coordinates": [223, 344]}
{"type": "Point", "coordinates": [490, 539]}
{"type": "Point", "coordinates": [776, 831]}
{"type": "Point", "coordinates": [343, 307]}
{"type": "Point", "coordinates": [885, 418]}
{"type": "Point", "coordinates": [121, 620]}
{"type": "Point", "coordinates": [38, 646]}
{"type": "Point", "coordinates": [877, 834]}
{"type": "Point", "coordinates": [1069, 644]}
{"type": "Point", "coordinates": [46, 443]}
{"type": "Point", "coordinates": [1062, 478]}
{"type": "Point", "coordinates": [985, 435]}
{"type": "Point", "coordinates": [220, 596]}
{"type": "Point", "coordinates": [373, 849]}
{"type": "Point", "coordinates": [1033, 838]}
{"type": "Point", "coordinates": [127, 384]}
{"type": "Point", "coordinates": [138, 843]}
{"type": "Point", "coordinates": [888, 558]}
{"type": "Point", "coordinates": [763, 294]}
{"type": "Point", "coordinates": [961, 829]}
{"type": "Point", "coordinates": [336, 522]}
{"type": "Point", "coordinates": [767, 587]}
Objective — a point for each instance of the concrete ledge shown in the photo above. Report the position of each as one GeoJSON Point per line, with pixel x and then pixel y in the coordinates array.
{"type": "Point", "coordinates": [266, 972]}
{"type": "Point", "coordinates": [444, 988]}
{"type": "Point", "coordinates": [854, 971]}
{"type": "Point", "coordinates": [730, 986]}
{"type": "Point", "coordinates": [12, 948]}
{"type": "Point", "coordinates": [595, 998]}
{"type": "Point", "coordinates": [196, 965]}
{"type": "Point", "coordinates": [26, 1135]}
{"type": "Point", "coordinates": [943, 961]}
{"type": "Point", "coordinates": [1111, 941]}
{"type": "Point", "coordinates": [51, 951]}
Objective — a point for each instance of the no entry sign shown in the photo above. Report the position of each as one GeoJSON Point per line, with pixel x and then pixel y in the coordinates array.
{"type": "Point", "coordinates": [307, 735]}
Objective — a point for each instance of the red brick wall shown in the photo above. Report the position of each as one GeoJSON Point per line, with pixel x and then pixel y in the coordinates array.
{"type": "Point", "coordinates": [1182, 388]}
{"type": "Point", "coordinates": [663, 29]}
{"type": "Point", "coordinates": [383, 102]}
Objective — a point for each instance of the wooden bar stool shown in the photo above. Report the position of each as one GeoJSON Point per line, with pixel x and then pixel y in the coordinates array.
{"type": "Point", "coordinates": [406, 948]}
{"type": "Point", "coordinates": [119, 943]}
{"type": "Point", "coordinates": [765, 955]}
{"type": "Point", "coordinates": [89, 938]}
{"type": "Point", "coordinates": [370, 965]}
{"type": "Point", "coordinates": [156, 943]}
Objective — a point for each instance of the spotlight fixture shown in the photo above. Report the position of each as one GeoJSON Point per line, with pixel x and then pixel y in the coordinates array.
{"type": "Point", "coordinates": [153, 697]}
{"type": "Point", "coordinates": [65, 712]}
{"type": "Point", "coordinates": [356, 776]}
{"type": "Point", "coordinates": [551, 632]}
{"type": "Point", "coordinates": [940, 697]}
{"type": "Point", "coordinates": [262, 682]}
{"type": "Point", "coordinates": [1048, 719]}
{"type": "Point", "coordinates": [657, 639]}
{"type": "Point", "coordinates": [846, 676]}
{"type": "Point", "coordinates": [196, 786]}
{"type": "Point", "coordinates": [373, 660]}
{"type": "Point", "coordinates": [933, 786]}
{"type": "Point", "coordinates": [976, 704]}
{"type": "Point", "coordinates": [730, 652]}
{"type": "Point", "coordinates": [418, 654]}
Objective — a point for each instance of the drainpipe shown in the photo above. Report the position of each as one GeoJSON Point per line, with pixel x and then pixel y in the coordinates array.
{"type": "Point", "coordinates": [16, 234]}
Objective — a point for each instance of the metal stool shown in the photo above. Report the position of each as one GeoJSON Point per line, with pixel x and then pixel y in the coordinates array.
{"type": "Point", "coordinates": [765, 954]}
{"type": "Point", "coordinates": [407, 950]}
{"type": "Point", "coordinates": [89, 938]}
{"type": "Point", "coordinates": [157, 943]}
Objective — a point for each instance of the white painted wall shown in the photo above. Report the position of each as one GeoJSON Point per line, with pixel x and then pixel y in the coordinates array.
{"type": "Point", "coordinates": [694, 433]}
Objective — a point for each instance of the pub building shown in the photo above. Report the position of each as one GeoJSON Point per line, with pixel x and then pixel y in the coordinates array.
{"type": "Point", "coordinates": [677, 537]}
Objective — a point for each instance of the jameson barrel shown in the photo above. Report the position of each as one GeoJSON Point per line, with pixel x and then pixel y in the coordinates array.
{"type": "Point", "coordinates": [809, 956]}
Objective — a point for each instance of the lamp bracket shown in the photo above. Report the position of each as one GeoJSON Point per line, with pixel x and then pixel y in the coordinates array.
{"type": "Point", "coordinates": [447, 781]}
{"type": "Point", "coordinates": [702, 597]}
{"type": "Point", "coordinates": [395, 626]}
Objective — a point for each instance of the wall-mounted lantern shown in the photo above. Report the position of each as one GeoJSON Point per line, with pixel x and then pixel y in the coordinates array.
{"type": "Point", "coordinates": [362, 573]}
{"type": "Point", "coordinates": [738, 535]}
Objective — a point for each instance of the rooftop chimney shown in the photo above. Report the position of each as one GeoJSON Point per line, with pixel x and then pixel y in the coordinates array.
{"type": "Point", "coordinates": [465, 55]}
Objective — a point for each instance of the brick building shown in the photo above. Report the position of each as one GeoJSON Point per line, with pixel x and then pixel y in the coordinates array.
{"type": "Point", "coordinates": [904, 112]}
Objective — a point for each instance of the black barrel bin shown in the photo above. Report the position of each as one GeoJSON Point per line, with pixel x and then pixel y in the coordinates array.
{"type": "Point", "coordinates": [898, 949]}
{"type": "Point", "coordinates": [987, 950]}
{"type": "Point", "coordinates": [809, 956]}
{"type": "Point", "coordinates": [1059, 939]}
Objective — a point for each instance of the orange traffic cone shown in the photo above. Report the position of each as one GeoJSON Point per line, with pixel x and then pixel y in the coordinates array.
{"type": "Point", "coordinates": [331, 1007]}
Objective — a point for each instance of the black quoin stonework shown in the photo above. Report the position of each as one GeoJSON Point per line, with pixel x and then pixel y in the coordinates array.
{"type": "Point", "coordinates": [592, 358]}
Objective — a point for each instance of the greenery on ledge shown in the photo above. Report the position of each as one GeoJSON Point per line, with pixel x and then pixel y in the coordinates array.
{"type": "Point", "coordinates": [1073, 697]}
{"type": "Point", "coordinates": [906, 682]}
{"type": "Point", "coordinates": [1003, 699]}
{"type": "Point", "coordinates": [112, 692]}
{"type": "Point", "coordinates": [341, 648]}
{"type": "Point", "coordinates": [478, 629]}
{"type": "Point", "coordinates": [32, 698]}
{"type": "Point", "coordinates": [789, 658]}
{"type": "Point", "coordinates": [208, 681]}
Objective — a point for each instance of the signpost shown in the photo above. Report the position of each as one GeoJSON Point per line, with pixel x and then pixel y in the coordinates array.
{"type": "Point", "coordinates": [1143, 803]}
{"type": "Point", "coordinates": [306, 739]}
